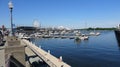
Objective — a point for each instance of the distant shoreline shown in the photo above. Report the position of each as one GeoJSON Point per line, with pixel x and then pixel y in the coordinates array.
{"type": "Point", "coordinates": [90, 28]}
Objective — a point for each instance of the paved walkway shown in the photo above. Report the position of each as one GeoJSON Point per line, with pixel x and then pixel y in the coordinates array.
{"type": "Point", "coordinates": [2, 57]}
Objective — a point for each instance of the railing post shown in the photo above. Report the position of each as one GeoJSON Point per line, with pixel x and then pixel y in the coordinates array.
{"type": "Point", "coordinates": [48, 51]}
{"type": "Point", "coordinates": [39, 46]}
{"type": "Point", "coordinates": [60, 59]}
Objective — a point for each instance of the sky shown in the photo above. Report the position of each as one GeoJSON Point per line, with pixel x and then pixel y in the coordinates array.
{"type": "Point", "coordinates": [67, 13]}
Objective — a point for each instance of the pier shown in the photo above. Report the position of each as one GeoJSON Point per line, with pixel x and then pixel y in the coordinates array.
{"type": "Point", "coordinates": [15, 51]}
{"type": "Point", "coordinates": [46, 56]}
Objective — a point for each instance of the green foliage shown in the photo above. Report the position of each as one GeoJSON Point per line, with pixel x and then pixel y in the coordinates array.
{"type": "Point", "coordinates": [98, 28]}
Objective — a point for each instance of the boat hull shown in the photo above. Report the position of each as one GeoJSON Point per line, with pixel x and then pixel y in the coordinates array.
{"type": "Point", "coordinates": [117, 33]}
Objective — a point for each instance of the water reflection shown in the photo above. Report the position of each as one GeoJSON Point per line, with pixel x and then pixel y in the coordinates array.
{"type": "Point", "coordinates": [77, 41]}
{"type": "Point", "coordinates": [86, 41]}
{"type": "Point", "coordinates": [118, 41]}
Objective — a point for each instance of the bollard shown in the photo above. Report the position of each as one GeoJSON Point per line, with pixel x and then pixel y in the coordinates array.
{"type": "Point", "coordinates": [39, 46]}
{"type": "Point", "coordinates": [31, 42]}
{"type": "Point", "coordinates": [60, 59]}
{"type": "Point", "coordinates": [48, 51]}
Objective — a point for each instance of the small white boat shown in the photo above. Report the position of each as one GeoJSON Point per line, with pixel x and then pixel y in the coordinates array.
{"type": "Point", "coordinates": [71, 37]}
{"type": "Point", "coordinates": [38, 35]}
{"type": "Point", "coordinates": [78, 33]}
{"type": "Point", "coordinates": [23, 36]}
{"type": "Point", "coordinates": [98, 33]}
{"type": "Point", "coordinates": [46, 36]}
{"type": "Point", "coordinates": [83, 37]}
{"type": "Point", "coordinates": [94, 34]}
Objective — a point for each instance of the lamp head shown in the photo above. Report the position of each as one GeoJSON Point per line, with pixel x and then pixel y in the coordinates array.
{"type": "Point", "coordinates": [10, 5]}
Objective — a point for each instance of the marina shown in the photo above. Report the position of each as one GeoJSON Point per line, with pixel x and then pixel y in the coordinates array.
{"type": "Point", "coordinates": [71, 34]}
{"type": "Point", "coordinates": [95, 52]}
{"type": "Point", "coordinates": [59, 33]}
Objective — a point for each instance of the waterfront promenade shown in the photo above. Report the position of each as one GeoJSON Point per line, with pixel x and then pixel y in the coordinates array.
{"type": "Point", "coordinates": [2, 57]}
{"type": "Point", "coordinates": [19, 49]}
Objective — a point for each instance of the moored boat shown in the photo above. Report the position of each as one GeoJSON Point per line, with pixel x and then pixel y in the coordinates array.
{"type": "Point", "coordinates": [117, 33]}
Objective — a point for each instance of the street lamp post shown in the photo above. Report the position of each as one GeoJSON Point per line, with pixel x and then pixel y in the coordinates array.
{"type": "Point", "coordinates": [11, 7]}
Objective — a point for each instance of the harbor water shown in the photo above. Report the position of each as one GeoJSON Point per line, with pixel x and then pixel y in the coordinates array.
{"type": "Point", "coordinates": [97, 51]}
